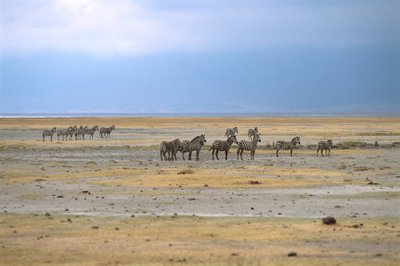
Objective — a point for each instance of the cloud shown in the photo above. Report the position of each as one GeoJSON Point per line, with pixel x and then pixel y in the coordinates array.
{"type": "Point", "coordinates": [122, 27]}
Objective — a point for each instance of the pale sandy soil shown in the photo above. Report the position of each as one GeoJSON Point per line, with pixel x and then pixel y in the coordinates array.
{"type": "Point", "coordinates": [104, 182]}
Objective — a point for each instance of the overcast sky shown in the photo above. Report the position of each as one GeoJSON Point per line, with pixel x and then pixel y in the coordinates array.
{"type": "Point", "coordinates": [199, 56]}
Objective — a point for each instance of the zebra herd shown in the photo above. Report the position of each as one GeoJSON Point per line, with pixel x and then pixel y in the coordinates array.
{"type": "Point", "coordinates": [78, 132]}
{"type": "Point", "coordinates": [168, 150]}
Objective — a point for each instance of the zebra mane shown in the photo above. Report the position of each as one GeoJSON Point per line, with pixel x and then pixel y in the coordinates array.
{"type": "Point", "coordinates": [293, 139]}
{"type": "Point", "coordinates": [196, 138]}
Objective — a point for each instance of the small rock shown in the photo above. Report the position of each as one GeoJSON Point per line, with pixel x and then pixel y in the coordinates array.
{"type": "Point", "coordinates": [292, 254]}
{"type": "Point", "coordinates": [95, 227]}
{"type": "Point", "coordinates": [329, 220]}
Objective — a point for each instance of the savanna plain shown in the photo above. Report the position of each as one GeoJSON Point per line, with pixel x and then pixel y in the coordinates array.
{"type": "Point", "coordinates": [113, 202]}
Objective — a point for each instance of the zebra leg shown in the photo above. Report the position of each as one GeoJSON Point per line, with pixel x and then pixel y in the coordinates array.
{"type": "Point", "coordinates": [216, 154]}
{"type": "Point", "coordinates": [317, 151]}
{"type": "Point", "coordinates": [212, 154]}
{"type": "Point", "coordinates": [43, 138]}
{"type": "Point", "coordinates": [197, 155]}
{"type": "Point", "coordinates": [241, 154]}
{"type": "Point", "coordinates": [329, 152]}
{"type": "Point", "coordinates": [226, 155]}
{"type": "Point", "coordinates": [252, 154]}
{"type": "Point", "coordinates": [291, 150]}
{"type": "Point", "coordinates": [322, 152]}
{"type": "Point", "coordinates": [183, 155]}
{"type": "Point", "coordinates": [277, 151]}
{"type": "Point", "coordinates": [237, 154]}
{"type": "Point", "coordinates": [190, 156]}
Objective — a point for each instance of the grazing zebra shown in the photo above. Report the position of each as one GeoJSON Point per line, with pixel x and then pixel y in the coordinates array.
{"type": "Point", "coordinates": [194, 145]}
{"type": "Point", "coordinates": [252, 132]}
{"type": "Point", "coordinates": [231, 132]}
{"type": "Point", "coordinates": [91, 131]}
{"type": "Point", "coordinates": [220, 145]}
{"type": "Point", "coordinates": [170, 147]}
{"type": "Point", "coordinates": [325, 145]}
{"type": "Point", "coordinates": [286, 145]}
{"type": "Point", "coordinates": [106, 131]}
{"type": "Point", "coordinates": [49, 132]}
{"type": "Point", "coordinates": [80, 132]}
{"type": "Point", "coordinates": [251, 146]}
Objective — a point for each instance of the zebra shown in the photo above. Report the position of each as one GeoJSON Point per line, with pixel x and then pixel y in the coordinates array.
{"type": "Point", "coordinates": [251, 146]}
{"type": "Point", "coordinates": [231, 132]}
{"type": "Point", "coordinates": [194, 145]}
{"type": "Point", "coordinates": [91, 131]}
{"type": "Point", "coordinates": [220, 145]}
{"type": "Point", "coordinates": [71, 131]}
{"type": "Point", "coordinates": [106, 131]}
{"type": "Point", "coordinates": [325, 145]}
{"type": "Point", "coordinates": [252, 132]}
{"type": "Point", "coordinates": [49, 132]}
{"type": "Point", "coordinates": [63, 133]}
{"type": "Point", "coordinates": [80, 132]}
{"type": "Point", "coordinates": [171, 148]}
{"type": "Point", "coordinates": [286, 145]}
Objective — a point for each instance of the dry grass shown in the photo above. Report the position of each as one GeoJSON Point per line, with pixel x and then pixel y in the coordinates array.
{"type": "Point", "coordinates": [34, 240]}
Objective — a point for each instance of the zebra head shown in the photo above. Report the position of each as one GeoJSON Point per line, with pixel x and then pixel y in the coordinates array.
{"type": "Point", "coordinates": [95, 128]}
{"type": "Point", "coordinates": [252, 132]}
{"type": "Point", "coordinates": [330, 143]}
{"type": "Point", "coordinates": [232, 139]}
{"type": "Point", "coordinates": [113, 127]}
{"type": "Point", "coordinates": [257, 137]}
{"type": "Point", "coordinates": [201, 138]}
{"type": "Point", "coordinates": [54, 129]}
{"type": "Point", "coordinates": [296, 140]}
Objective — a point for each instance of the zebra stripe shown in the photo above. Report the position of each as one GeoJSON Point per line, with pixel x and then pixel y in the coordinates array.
{"type": "Point", "coordinates": [286, 145]}
{"type": "Point", "coordinates": [220, 145]}
{"type": "Point", "coordinates": [49, 132]}
{"type": "Point", "coordinates": [251, 146]}
{"type": "Point", "coordinates": [325, 145]}
{"type": "Point", "coordinates": [171, 148]}
{"type": "Point", "coordinates": [194, 145]}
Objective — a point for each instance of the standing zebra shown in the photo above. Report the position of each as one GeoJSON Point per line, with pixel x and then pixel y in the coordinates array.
{"type": "Point", "coordinates": [62, 133]}
{"type": "Point", "coordinates": [49, 132]}
{"type": "Point", "coordinates": [71, 131]}
{"type": "Point", "coordinates": [91, 131]}
{"type": "Point", "coordinates": [80, 132]}
{"type": "Point", "coordinates": [194, 145]}
{"type": "Point", "coordinates": [251, 146]}
{"type": "Point", "coordinates": [231, 132]}
{"type": "Point", "coordinates": [252, 132]}
{"type": "Point", "coordinates": [171, 148]}
{"type": "Point", "coordinates": [220, 145]}
{"type": "Point", "coordinates": [106, 131]}
{"type": "Point", "coordinates": [286, 145]}
{"type": "Point", "coordinates": [325, 145]}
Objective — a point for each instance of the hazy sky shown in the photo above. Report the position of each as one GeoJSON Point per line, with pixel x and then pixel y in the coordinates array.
{"type": "Point", "coordinates": [199, 56]}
